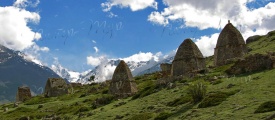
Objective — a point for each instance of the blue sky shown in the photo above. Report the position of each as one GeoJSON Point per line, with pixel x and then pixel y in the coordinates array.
{"type": "Point", "coordinates": [78, 34]}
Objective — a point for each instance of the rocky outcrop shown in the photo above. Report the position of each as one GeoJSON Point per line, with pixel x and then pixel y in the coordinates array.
{"type": "Point", "coordinates": [252, 63]}
{"type": "Point", "coordinates": [55, 87]}
{"type": "Point", "coordinates": [188, 59]}
{"type": "Point", "coordinates": [122, 83]}
{"type": "Point", "coordinates": [230, 45]}
{"type": "Point", "coordinates": [23, 94]}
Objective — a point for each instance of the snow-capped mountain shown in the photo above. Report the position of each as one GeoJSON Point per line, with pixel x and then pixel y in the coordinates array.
{"type": "Point", "coordinates": [17, 69]}
{"type": "Point", "coordinates": [105, 70]}
{"type": "Point", "coordinates": [156, 67]}
{"type": "Point", "coordinates": [69, 75]}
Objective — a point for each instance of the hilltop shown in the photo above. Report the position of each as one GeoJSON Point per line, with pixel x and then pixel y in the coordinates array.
{"type": "Point", "coordinates": [243, 96]}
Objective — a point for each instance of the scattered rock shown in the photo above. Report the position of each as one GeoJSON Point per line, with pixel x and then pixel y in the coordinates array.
{"type": "Point", "coordinates": [6, 109]}
{"type": "Point", "coordinates": [188, 58]}
{"type": "Point", "coordinates": [230, 86]}
{"type": "Point", "coordinates": [171, 85]}
{"type": "Point", "coordinates": [15, 104]}
{"type": "Point", "coordinates": [230, 45]}
{"type": "Point", "coordinates": [122, 84]}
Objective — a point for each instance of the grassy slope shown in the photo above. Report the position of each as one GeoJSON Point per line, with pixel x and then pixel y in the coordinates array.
{"type": "Point", "coordinates": [255, 89]}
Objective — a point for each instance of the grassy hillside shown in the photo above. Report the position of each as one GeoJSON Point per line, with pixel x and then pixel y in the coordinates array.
{"type": "Point", "coordinates": [234, 97]}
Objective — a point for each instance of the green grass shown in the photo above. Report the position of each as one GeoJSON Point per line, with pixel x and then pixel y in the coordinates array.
{"type": "Point", "coordinates": [266, 107]}
{"type": "Point", "coordinates": [250, 98]}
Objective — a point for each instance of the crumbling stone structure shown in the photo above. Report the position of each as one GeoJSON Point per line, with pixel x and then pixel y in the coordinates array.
{"type": "Point", "coordinates": [23, 94]}
{"type": "Point", "coordinates": [230, 45]}
{"type": "Point", "coordinates": [55, 87]}
{"type": "Point", "coordinates": [188, 59]}
{"type": "Point", "coordinates": [122, 83]}
{"type": "Point", "coordinates": [166, 69]}
{"type": "Point", "coordinates": [253, 63]}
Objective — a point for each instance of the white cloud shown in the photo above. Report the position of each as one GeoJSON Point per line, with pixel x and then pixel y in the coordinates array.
{"type": "Point", "coordinates": [95, 61]}
{"type": "Point", "coordinates": [206, 44]}
{"type": "Point", "coordinates": [105, 72]}
{"type": "Point", "coordinates": [25, 3]}
{"type": "Point", "coordinates": [134, 5]}
{"type": "Point", "coordinates": [15, 32]}
{"type": "Point", "coordinates": [208, 14]}
{"type": "Point", "coordinates": [96, 49]}
{"type": "Point", "coordinates": [141, 56]}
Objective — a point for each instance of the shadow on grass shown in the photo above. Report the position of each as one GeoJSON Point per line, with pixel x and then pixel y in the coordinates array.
{"type": "Point", "coordinates": [184, 109]}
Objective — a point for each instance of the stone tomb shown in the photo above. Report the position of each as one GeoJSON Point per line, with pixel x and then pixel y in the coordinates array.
{"type": "Point", "coordinates": [23, 94]}
{"type": "Point", "coordinates": [230, 45]}
{"type": "Point", "coordinates": [122, 83]}
{"type": "Point", "coordinates": [188, 59]}
{"type": "Point", "coordinates": [55, 87]}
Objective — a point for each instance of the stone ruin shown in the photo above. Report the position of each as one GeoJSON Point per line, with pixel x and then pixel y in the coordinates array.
{"type": "Point", "coordinates": [253, 63]}
{"type": "Point", "coordinates": [122, 84]}
{"type": "Point", "coordinates": [23, 94]}
{"type": "Point", "coordinates": [166, 69]}
{"type": "Point", "coordinates": [230, 45]}
{"type": "Point", "coordinates": [76, 84]}
{"type": "Point", "coordinates": [188, 59]}
{"type": "Point", "coordinates": [55, 87]}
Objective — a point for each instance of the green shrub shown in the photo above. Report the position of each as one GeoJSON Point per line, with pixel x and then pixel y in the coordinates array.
{"type": "Point", "coordinates": [105, 91]}
{"type": "Point", "coordinates": [179, 101]}
{"type": "Point", "coordinates": [216, 82]}
{"type": "Point", "coordinates": [142, 116]}
{"type": "Point", "coordinates": [145, 92]}
{"type": "Point", "coordinates": [83, 109]}
{"type": "Point", "coordinates": [197, 91]}
{"type": "Point", "coordinates": [102, 101]}
{"type": "Point", "coordinates": [266, 107]}
{"type": "Point", "coordinates": [163, 116]}
{"type": "Point", "coordinates": [37, 100]}
{"type": "Point", "coordinates": [213, 99]}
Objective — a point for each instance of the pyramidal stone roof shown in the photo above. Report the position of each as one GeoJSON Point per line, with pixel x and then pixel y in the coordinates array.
{"type": "Point", "coordinates": [188, 49]}
{"type": "Point", "coordinates": [230, 36]}
{"type": "Point", "coordinates": [188, 58]}
{"type": "Point", "coordinates": [122, 72]}
{"type": "Point", "coordinates": [230, 45]}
